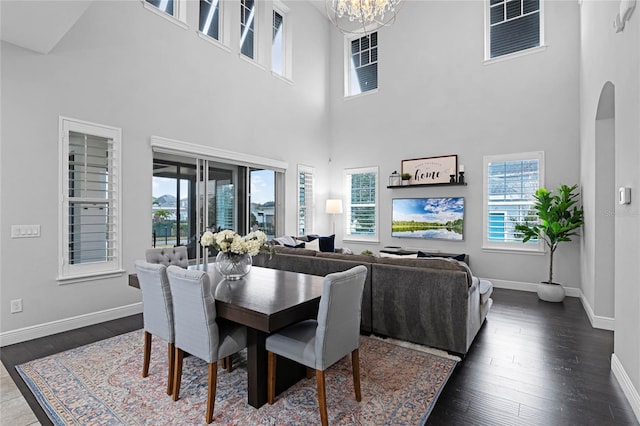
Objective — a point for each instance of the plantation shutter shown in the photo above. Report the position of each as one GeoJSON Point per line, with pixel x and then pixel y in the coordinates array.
{"type": "Point", "coordinates": [514, 26]}
{"type": "Point", "coordinates": [305, 200]}
{"type": "Point", "coordinates": [362, 207]}
{"type": "Point", "coordinates": [91, 199]}
{"type": "Point", "coordinates": [511, 187]}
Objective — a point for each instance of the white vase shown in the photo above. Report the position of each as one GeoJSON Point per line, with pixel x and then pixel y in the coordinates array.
{"type": "Point", "coordinates": [551, 292]}
{"type": "Point", "coordinates": [233, 266]}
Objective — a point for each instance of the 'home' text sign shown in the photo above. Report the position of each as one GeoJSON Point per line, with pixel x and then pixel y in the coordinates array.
{"type": "Point", "coordinates": [431, 169]}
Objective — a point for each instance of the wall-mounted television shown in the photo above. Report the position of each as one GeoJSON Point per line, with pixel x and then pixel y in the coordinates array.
{"type": "Point", "coordinates": [439, 218]}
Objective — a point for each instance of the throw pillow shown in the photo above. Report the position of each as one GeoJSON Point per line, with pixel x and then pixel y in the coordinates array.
{"type": "Point", "coordinates": [311, 245]}
{"type": "Point", "coordinates": [459, 257]}
{"type": "Point", "coordinates": [327, 244]}
{"type": "Point", "coordinates": [301, 245]}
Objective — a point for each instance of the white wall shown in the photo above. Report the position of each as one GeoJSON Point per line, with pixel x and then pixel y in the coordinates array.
{"type": "Point", "coordinates": [124, 66]}
{"type": "Point", "coordinates": [437, 97]}
{"type": "Point", "coordinates": [610, 57]}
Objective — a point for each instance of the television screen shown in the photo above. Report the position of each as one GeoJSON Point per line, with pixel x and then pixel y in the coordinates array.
{"type": "Point", "coordinates": [440, 218]}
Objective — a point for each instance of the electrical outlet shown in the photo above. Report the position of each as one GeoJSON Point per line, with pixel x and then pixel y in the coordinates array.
{"type": "Point", "coordinates": [16, 306]}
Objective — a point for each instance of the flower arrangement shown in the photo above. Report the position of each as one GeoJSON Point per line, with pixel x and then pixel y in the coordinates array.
{"type": "Point", "coordinates": [228, 241]}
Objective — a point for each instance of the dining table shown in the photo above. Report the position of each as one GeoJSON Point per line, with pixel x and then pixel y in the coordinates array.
{"type": "Point", "coordinates": [265, 301]}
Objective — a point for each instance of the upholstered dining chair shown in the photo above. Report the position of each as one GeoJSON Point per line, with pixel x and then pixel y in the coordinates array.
{"type": "Point", "coordinates": [157, 313]}
{"type": "Point", "coordinates": [168, 256]}
{"type": "Point", "coordinates": [197, 331]}
{"type": "Point", "coordinates": [320, 343]}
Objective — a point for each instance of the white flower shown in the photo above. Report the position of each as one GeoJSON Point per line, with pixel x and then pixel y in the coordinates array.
{"type": "Point", "coordinates": [207, 239]}
{"type": "Point", "coordinates": [229, 241]}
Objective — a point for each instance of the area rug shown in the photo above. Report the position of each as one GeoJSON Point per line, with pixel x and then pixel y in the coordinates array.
{"type": "Point", "coordinates": [101, 384]}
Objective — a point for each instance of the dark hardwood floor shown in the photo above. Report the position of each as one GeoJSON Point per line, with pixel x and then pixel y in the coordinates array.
{"type": "Point", "coordinates": [533, 363]}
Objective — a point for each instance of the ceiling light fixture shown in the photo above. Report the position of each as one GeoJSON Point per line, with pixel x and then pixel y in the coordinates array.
{"type": "Point", "coordinates": [361, 16]}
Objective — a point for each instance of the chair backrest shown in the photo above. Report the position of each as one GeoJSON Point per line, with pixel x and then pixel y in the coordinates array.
{"type": "Point", "coordinates": [338, 331]}
{"type": "Point", "coordinates": [157, 303]}
{"type": "Point", "coordinates": [194, 313]}
{"type": "Point", "coordinates": [168, 256]}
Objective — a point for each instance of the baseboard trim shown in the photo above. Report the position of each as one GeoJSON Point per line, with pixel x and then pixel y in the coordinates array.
{"type": "Point", "coordinates": [603, 323]}
{"type": "Point", "coordinates": [46, 329]}
{"type": "Point", "coordinates": [627, 386]}
{"type": "Point", "coordinates": [530, 287]}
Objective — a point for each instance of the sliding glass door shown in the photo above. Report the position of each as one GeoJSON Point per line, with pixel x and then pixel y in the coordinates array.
{"type": "Point", "coordinates": [191, 195]}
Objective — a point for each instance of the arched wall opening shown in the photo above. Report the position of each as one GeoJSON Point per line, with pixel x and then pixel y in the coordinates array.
{"type": "Point", "coordinates": [605, 199]}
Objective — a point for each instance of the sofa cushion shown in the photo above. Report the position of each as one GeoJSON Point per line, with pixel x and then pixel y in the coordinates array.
{"type": "Point", "coordinates": [461, 257]}
{"type": "Point", "coordinates": [291, 250]}
{"type": "Point", "coordinates": [433, 263]}
{"type": "Point", "coordinates": [353, 257]}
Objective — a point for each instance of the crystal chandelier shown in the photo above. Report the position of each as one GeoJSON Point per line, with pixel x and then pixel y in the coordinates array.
{"type": "Point", "coordinates": [361, 16]}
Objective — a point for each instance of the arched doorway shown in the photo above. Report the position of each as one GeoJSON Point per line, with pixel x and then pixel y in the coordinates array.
{"type": "Point", "coordinates": [605, 199]}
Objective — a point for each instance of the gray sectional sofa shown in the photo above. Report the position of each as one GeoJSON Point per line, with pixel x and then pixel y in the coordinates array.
{"type": "Point", "coordinates": [432, 301]}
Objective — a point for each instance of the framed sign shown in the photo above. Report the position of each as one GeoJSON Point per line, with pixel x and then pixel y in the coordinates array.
{"type": "Point", "coordinates": [431, 169]}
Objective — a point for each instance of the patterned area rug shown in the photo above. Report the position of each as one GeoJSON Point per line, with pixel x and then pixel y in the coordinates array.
{"type": "Point", "coordinates": [101, 384]}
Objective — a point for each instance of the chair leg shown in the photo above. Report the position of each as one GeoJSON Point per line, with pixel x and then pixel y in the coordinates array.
{"type": "Point", "coordinates": [228, 364]}
{"type": "Point", "coordinates": [271, 377]}
{"type": "Point", "coordinates": [147, 354]}
{"type": "Point", "coordinates": [310, 372]}
{"type": "Point", "coordinates": [172, 354]}
{"type": "Point", "coordinates": [177, 373]}
{"type": "Point", "coordinates": [322, 398]}
{"type": "Point", "coordinates": [355, 365]}
{"type": "Point", "coordinates": [211, 394]}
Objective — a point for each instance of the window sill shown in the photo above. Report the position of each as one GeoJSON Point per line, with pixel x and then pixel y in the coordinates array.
{"type": "Point", "coordinates": [534, 252]}
{"type": "Point", "coordinates": [164, 15]}
{"type": "Point", "coordinates": [251, 61]}
{"type": "Point", "coordinates": [359, 95]}
{"type": "Point", "coordinates": [515, 55]}
{"type": "Point", "coordinates": [90, 277]}
{"type": "Point", "coordinates": [282, 78]}
{"type": "Point", "coordinates": [213, 41]}
{"type": "Point", "coordinates": [361, 241]}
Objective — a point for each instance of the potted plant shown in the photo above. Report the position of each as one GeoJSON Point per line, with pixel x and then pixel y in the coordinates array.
{"type": "Point", "coordinates": [558, 219]}
{"type": "Point", "coordinates": [405, 178]}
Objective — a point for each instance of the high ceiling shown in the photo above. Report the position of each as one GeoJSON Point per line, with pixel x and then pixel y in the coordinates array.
{"type": "Point", "coordinates": [38, 25]}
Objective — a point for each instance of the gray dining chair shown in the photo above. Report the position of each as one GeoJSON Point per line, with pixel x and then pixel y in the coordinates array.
{"type": "Point", "coordinates": [168, 256]}
{"type": "Point", "coordinates": [157, 313]}
{"type": "Point", "coordinates": [320, 343]}
{"type": "Point", "coordinates": [197, 331]}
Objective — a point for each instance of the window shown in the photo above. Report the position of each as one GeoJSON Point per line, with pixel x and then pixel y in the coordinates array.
{"type": "Point", "coordinates": [510, 182]}
{"type": "Point", "coordinates": [277, 43]}
{"type": "Point", "coordinates": [90, 232]}
{"type": "Point", "coordinates": [169, 9]}
{"type": "Point", "coordinates": [362, 64]}
{"type": "Point", "coordinates": [305, 200]}
{"type": "Point", "coordinates": [514, 25]}
{"type": "Point", "coordinates": [247, 15]}
{"type": "Point", "coordinates": [165, 6]}
{"type": "Point", "coordinates": [362, 204]}
{"type": "Point", "coordinates": [210, 18]}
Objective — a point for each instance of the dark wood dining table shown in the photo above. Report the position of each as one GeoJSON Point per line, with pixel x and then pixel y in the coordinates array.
{"type": "Point", "coordinates": [265, 301]}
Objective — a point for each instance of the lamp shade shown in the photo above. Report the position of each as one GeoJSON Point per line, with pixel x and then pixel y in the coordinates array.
{"type": "Point", "coordinates": [333, 206]}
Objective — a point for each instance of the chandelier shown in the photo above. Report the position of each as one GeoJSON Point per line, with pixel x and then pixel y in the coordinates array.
{"type": "Point", "coordinates": [361, 16]}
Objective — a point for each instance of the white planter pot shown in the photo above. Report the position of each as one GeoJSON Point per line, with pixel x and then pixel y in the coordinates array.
{"type": "Point", "coordinates": [550, 292]}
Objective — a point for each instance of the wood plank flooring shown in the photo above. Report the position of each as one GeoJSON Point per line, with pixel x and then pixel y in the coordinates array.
{"type": "Point", "coordinates": [533, 363]}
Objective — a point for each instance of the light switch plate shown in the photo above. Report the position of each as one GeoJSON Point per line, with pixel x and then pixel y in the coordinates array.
{"type": "Point", "coordinates": [25, 231]}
